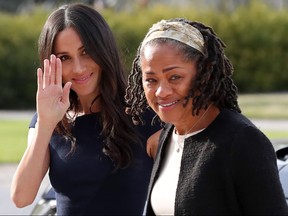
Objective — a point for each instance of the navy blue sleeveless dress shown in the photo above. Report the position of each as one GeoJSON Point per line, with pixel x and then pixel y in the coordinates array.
{"type": "Point", "coordinates": [86, 183]}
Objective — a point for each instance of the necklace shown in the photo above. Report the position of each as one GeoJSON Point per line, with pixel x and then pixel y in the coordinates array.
{"type": "Point", "coordinates": [179, 140]}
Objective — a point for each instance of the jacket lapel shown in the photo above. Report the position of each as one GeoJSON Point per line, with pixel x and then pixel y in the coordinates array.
{"type": "Point", "coordinates": [163, 140]}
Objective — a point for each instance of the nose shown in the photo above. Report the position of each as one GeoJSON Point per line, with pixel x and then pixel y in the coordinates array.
{"type": "Point", "coordinates": [78, 66]}
{"type": "Point", "coordinates": [164, 89]}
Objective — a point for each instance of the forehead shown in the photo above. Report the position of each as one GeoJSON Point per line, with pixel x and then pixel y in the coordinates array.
{"type": "Point", "coordinates": [156, 58]}
{"type": "Point", "coordinates": [168, 47]}
{"type": "Point", "coordinates": [67, 38]}
{"type": "Point", "coordinates": [158, 45]}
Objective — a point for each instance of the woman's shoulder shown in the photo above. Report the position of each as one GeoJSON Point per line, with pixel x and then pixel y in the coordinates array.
{"type": "Point", "coordinates": [235, 126]}
{"type": "Point", "coordinates": [244, 131]}
{"type": "Point", "coordinates": [232, 119]}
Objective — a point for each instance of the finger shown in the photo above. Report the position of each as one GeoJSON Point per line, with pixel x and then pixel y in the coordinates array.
{"type": "Point", "coordinates": [66, 91]}
{"type": "Point", "coordinates": [52, 69]}
{"type": "Point", "coordinates": [39, 79]}
{"type": "Point", "coordinates": [59, 72]}
{"type": "Point", "coordinates": [46, 77]}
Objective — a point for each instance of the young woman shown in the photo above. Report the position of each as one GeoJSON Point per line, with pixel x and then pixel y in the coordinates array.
{"type": "Point", "coordinates": [96, 157]}
{"type": "Point", "coordinates": [211, 159]}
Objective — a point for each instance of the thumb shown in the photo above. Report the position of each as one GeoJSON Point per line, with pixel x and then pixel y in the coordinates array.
{"type": "Point", "coordinates": [66, 91]}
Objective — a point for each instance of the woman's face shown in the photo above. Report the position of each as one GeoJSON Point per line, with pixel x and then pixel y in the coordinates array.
{"type": "Point", "coordinates": [166, 80]}
{"type": "Point", "coordinates": [77, 66]}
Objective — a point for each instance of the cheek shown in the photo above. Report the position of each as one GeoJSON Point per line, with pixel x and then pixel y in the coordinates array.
{"type": "Point", "coordinates": [144, 87]}
{"type": "Point", "coordinates": [149, 94]}
{"type": "Point", "coordinates": [65, 72]}
{"type": "Point", "coordinates": [149, 91]}
{"type": "Point", "coordinates": [145, 90]}
{"type": "Point", "coordinates": [65, 78]}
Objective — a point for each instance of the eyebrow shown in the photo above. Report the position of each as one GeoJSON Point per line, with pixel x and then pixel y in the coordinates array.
{"type": "Point", "coordinates": [164, 70]}
{"type": "Point", "coordinates": [170, 68]}
{"type": "Point", "coordinates": [65, 52]}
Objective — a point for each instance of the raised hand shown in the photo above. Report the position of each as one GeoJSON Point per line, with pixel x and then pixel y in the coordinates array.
{"type": "Point", "coordinates": [52, 99]}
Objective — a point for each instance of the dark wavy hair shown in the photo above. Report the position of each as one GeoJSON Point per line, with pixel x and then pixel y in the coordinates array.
{"type": "Point", "coordinates": [100, 45]}
{"type": "Point", "coordinates": [213, 78]}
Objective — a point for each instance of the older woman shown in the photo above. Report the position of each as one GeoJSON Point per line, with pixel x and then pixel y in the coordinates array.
{"type": "Point", "coordinates": [211, 159]}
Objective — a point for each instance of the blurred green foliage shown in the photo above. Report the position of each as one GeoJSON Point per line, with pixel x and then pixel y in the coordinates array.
{"type": "Point", "coordinates": [255, 36]}
{"type": "Point", "coordinates": [18, 59]}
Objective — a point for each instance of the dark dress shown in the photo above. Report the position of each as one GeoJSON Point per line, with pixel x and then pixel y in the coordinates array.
{"type": "Point", "coordinates": [85, 182]}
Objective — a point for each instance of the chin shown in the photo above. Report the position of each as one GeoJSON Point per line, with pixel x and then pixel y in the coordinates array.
{"type": "Point", "coordinates": [166, 119]}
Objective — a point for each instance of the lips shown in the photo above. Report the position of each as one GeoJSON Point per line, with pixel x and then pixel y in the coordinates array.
{"type": "Point", "coordinates": [83, 79]}
{"type": "Point", "coordinates": [168, 104]}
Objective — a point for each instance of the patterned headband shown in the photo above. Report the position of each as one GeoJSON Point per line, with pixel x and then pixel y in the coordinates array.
{"type": "Point", "coordinates": [179, 31]}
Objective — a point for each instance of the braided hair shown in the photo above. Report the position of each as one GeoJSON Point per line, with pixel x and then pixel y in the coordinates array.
{"type": "Point", "coordinates": [213, 78]}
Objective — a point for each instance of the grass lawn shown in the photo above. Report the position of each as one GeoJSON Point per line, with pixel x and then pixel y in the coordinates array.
{"type": "Point", "coordinates": [13, 136]}
{"type": "Point", "coordinates": [13, 133]}
{"type": "Point", "coordinates": [264, 106]}
{"type": "Point", "coordinates": [277, 134]}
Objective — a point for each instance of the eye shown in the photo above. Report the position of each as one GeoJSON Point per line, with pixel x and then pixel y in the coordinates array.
{"type": "Point", "coordinates": [63, 58]}
{"type": "Point", "coordinates": [175, 77]}
{"type": "Point", "coordinates": [84, 52]}
{"type": "Point", "coordinates": [150, 80]}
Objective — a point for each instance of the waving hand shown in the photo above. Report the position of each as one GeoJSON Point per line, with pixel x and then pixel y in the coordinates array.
{"type": "Point", "coordinates": [52, 99]}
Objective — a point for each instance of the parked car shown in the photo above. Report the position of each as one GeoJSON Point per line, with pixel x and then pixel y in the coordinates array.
{"type": "Point", "coordinates": [47, 204]}
{"type": "Point", "coordinates": [282, 163]}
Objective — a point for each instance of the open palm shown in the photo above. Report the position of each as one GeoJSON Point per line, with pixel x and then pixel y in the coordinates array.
{"type": "Point", "coordinates": [52, 99]}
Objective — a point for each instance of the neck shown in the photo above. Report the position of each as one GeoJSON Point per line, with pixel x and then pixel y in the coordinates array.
{"type": "Point", "coordinates": [199, 122]}
{"type": "Point", "coordinates": [90, 105]}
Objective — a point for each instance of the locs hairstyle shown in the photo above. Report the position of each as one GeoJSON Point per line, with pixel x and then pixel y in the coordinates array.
{"type": "Point", "coordinates": [213, 79]}
{"type": "Point", "coordinates": [100, 45]}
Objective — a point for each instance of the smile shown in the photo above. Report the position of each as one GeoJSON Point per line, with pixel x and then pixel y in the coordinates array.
{"type": "Point", "coordinates": [82, 79]}
{"type": "Point", "coordinates": [169, 104]}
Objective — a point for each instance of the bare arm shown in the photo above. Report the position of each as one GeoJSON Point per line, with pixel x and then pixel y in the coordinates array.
{"type": "Point", "coordinates": [152, 144]}
{"type": "Point", "coordinates": [32, 169]}
{"type": "Point", "coordinates": [52, 103]}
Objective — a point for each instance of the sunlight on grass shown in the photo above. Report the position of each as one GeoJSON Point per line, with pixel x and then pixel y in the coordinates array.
{"type": "Point", "coordinates": [264, 106]}
{"type": "Point", "coordinates": [276, 134]}
{"type": "Point", "coordinates": [13, 137]}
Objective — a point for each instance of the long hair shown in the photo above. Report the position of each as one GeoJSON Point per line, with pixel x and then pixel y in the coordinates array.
{"type": "Point", "coordinates": [100, 45]}
{"type": "Point", "coordinates": [213, 81]}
